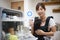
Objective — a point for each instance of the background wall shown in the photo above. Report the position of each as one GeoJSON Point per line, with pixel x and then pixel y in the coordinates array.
{"type": "Point", "coordinates": [55, 15]}
{"type": "Point", "coordinates": [5, 3]}
{"type": "Point", "coordinates": [31, 4]}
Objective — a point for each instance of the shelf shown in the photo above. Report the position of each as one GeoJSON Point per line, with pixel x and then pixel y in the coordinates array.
{"type": "Point", "coordinates": [13, 12]}
{"type": "Point", "coordinates": [51, 3]}
{"type": "Point", "coordinates": [12, 18]}
{"type": "Point", "coordinates": [17, 19]}
{"type": "Point", "coordinates": [56, 10]}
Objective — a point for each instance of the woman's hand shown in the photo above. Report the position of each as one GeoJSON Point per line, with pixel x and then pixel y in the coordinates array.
{"type": "Point", "coordinates": [51, 33]}
{"type": "Point", "coordinates": [31, 23]}
{"type": "Point", "coordinates": [32, 26]}
{"type": "Point", "coordinates": [40, 32]}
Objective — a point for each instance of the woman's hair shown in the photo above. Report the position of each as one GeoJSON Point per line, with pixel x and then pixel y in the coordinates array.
{"type": "Point", "coordinates": [40, 4]}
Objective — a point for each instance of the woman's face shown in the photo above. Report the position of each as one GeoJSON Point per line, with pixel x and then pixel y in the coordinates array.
{"type": "Point", "coordinates": [41, 12]}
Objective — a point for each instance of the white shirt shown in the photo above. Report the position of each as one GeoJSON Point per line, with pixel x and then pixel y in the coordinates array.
{"type": "Point", "coordinates": [52, 23]}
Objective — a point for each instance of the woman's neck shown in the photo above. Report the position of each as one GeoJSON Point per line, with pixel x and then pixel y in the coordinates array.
{"type": "Point", "coordinates": [43, 18]}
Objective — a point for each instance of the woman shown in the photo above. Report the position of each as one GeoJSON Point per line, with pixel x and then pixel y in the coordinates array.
{"type": "Point", "coordinates": [40, 9]}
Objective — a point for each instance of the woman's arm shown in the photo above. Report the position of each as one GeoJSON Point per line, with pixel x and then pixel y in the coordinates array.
{"type": "Point", "coordinates": [40, 32]}
{"type": "Point", "coordinates": [32, 26]}
{"type": "Point", "coordinates": [32, 30]}
{"type": "Point", "coordinates": [51, 33]}
{"type": "Point", "coordinates": [53, 29]}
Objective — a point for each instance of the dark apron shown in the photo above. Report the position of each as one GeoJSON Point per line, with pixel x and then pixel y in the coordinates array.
{"type": "Point", "coordinates": [37, 26]}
